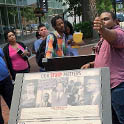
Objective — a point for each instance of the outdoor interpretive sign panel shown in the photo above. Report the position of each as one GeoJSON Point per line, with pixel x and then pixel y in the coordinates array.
{"type": "Point", "coordinates": [62, 97]}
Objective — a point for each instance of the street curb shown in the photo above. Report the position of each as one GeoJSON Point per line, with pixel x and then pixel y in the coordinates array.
{"type": "Point", "coordinates": [88, 45]}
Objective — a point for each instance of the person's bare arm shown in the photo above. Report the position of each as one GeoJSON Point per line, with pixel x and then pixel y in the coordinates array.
{"type": "Point", "coordinates": [88, 65]}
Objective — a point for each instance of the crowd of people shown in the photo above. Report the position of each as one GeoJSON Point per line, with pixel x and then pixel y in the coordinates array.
{"type": "Point", "coordinates": [109, 52]}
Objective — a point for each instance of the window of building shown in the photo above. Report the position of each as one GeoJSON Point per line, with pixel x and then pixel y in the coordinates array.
{"type": "Point", "coordinates": [14, 1]}
{"type": "Point", "coordinates": [9, 1]}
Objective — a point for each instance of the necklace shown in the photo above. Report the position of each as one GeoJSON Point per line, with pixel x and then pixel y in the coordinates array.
{"type": "Point", "coordinates": [15, 46]}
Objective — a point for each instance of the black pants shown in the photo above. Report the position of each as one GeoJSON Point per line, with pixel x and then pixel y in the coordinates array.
{"type": "Point", "coordinates": [6, 91]}
{"type": "Point", "coordinates": [114, 117]}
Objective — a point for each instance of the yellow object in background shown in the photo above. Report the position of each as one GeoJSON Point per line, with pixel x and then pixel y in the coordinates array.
{"type": "Point", "coordinates": [77, 37]}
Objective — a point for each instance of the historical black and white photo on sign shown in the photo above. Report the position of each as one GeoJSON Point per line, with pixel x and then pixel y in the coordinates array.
{"type": "Point", "coordinates": [92, 90]}
{"type": "Point", "coordinates": [62, 91]}
{"type": "Point", "coordinates": [29, 92]}
{"type": "Point", "coordinates": [52, 93]}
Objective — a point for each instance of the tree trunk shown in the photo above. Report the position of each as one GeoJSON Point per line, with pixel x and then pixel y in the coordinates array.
{"type": "Point", "coordinates": [93, 11]}
{"type": "Point", "coordinates": [74, 16]}
{"type": "Point", "coordinates": [85, 10]}
{"type": "Point", "coordinates": [93, 14]}
{"type": "Point", "coordinates": [79, 18]}
{"type": "Point", "coordinates": [88, 10]}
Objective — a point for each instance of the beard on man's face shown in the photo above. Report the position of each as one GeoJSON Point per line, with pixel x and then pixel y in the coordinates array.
{"type": "Point", "coordinates": [61, 30]}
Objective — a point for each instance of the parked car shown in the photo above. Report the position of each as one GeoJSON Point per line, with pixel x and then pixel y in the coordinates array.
{"type": "Point", "coordinates": [31, 27]}
{"type": "Point", "coordinates": [120, 17]}
{"type": "Point", "coordinates": [28, 28]}
{"type": "Point", "coordinates": [6, 28]}
{"type": "Point", "coordinates": [34, 26]}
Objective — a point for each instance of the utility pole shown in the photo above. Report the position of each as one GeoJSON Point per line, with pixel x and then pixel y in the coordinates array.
{"type": "Point", "coordinates": [85, 10]}
{"type": "Point", "coordinates": [19, 18]}
{"type": "Point", "coordinates": [42, 7]}
{"type": "Point", "coordinates": [114, 6]}
{"type": "Point", "coordinates": [38, 6]}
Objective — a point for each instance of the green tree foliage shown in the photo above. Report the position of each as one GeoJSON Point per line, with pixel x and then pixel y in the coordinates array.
{"type": "Point", "coordinates": [28, 13]}
{"type": "Point", "coordinates": [12, 11]}
{"type": "Point", "coordinates": [85, 28]}
{"type": "Point", "coordinates": [103, 5]}
{"type": "Point", "coordinates": [74, 5]}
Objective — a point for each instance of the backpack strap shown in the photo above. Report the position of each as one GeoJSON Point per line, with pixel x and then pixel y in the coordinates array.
{"type": "Point", "coordinates": [55, 40]}
{"type": "Point", "coordinates": [55, 45]}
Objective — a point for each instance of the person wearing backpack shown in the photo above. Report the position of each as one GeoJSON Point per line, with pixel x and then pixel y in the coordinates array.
{"type": "Point", "coordinates": [60, 48]}
{"type": "Point", "coordinates": [43, 32]}
{"type": "Point", "coordinates": [40, 54]}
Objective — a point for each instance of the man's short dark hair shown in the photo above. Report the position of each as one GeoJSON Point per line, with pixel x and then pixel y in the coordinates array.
{"type": "Point", "coordinates": [111, 13]}
{"type": "Point", "coordinates": [53, 21]}
{"type": "Point", "coordinates": [40, 26]}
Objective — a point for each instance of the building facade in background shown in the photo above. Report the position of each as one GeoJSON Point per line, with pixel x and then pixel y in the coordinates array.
{"type": "Point", "coordinates": [18, 15]}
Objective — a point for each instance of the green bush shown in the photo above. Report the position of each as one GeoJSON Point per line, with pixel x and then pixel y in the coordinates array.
{"type": "Point", "coordinates": [85, 28]}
